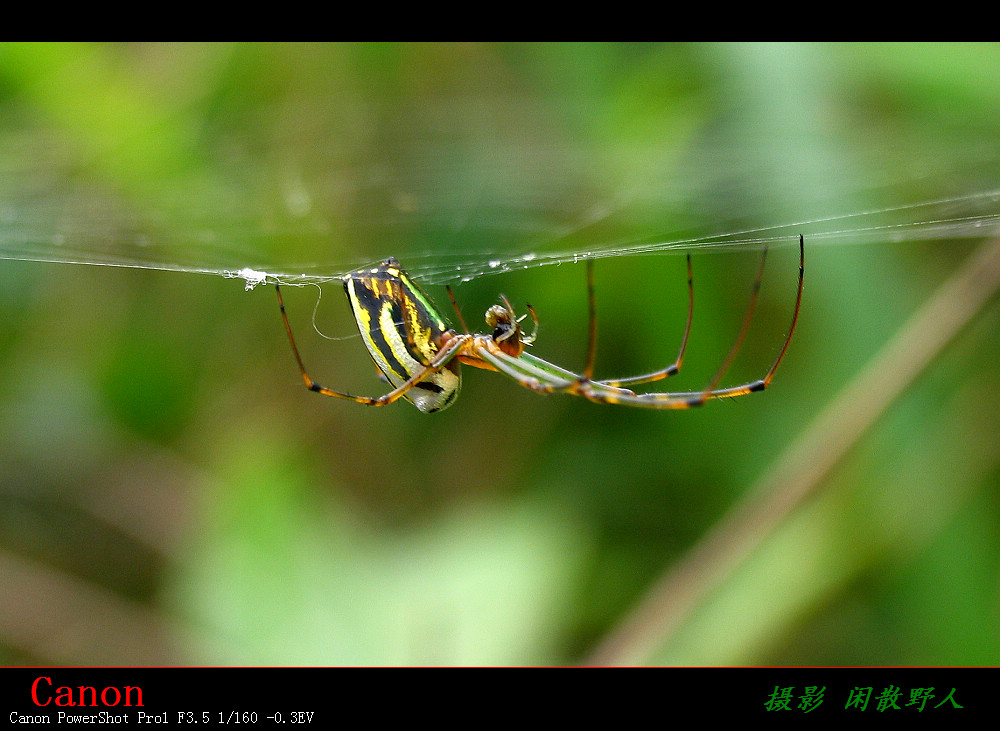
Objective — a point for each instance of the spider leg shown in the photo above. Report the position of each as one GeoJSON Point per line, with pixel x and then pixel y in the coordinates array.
{"type": "Point", "coordinates": [766, 380]}
{"type": "Point", "coordinates": [744, 328]}
{"type": "Point", "coordinates": [551, 369]}
{"type": "Point", "coordinates": [441, 359]}
{"type": "Point", "coordinates": [530, 339]}
{"type": "Point", "coordinates": [538, 375]}
{"type": "Point", "coordinates": [523, 373]}
{"type": "Point", "coordinates": [543, 377]}
{"type": "Point", "coordinates": [685, 400]}
{"type": "Point", "coordinates": [458, 311]}
{"type": "Point", "coordinates": [588, 371]}
{"type": "Point", "coordinates": [674, 367]}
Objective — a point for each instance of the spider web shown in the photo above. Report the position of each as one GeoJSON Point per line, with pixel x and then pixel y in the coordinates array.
{"type": "Point", "coordinates": [103, 238]}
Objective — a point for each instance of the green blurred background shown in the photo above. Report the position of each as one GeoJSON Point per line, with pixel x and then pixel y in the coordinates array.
{"type": "Point", "coordinates": [170, 494]}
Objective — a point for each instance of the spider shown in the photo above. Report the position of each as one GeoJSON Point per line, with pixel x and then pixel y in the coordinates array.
{"type": "Point", "coordinates": [420, 355]}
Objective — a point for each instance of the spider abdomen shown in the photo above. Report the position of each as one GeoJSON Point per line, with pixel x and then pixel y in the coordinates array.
{"type": "Point", "coordinates": [403, 332]}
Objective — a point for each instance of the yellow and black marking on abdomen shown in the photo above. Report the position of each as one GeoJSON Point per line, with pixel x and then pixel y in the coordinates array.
{"type": "Point", "coordinates": [402, 330]}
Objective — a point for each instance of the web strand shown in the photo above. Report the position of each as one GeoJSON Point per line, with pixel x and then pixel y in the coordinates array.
{"type": "Point", "coordinates": [973, 215]}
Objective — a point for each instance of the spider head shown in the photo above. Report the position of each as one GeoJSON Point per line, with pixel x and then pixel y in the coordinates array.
{"type": "Point", "coordinates": [505, 328]}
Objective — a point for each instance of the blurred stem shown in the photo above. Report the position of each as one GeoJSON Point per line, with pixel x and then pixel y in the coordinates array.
{"type": "Point", "coordinates": [62, 619]}
{"type": "Point", "coordinates": [802, 468]}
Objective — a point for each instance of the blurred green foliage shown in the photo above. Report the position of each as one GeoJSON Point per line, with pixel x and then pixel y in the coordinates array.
{"type": "Point", "coordinates": [171, 494]}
